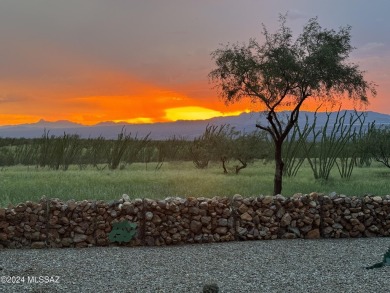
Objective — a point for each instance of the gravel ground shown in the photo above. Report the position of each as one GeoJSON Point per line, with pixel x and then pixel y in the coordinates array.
{"type": "Point", "coordinates": [335, 265]}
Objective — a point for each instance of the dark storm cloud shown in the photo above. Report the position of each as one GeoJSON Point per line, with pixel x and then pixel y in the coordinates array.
{"type": "Point", "coordinates": [127, 34]}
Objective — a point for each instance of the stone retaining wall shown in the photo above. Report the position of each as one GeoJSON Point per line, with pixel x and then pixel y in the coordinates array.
{"type": "Point", "coordinates": [53, 223]}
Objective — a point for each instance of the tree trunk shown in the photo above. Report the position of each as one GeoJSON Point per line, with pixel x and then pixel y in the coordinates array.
{"type": "Point", "coordinates": [278, 168]}
{"type": "Point", "coordinates": [223, 160]}
{"type": "Point", "coordinates": [243, 165]}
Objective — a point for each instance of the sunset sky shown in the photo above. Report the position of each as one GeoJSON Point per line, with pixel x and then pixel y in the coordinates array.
{"type": "Point", "coordinates": [147, 61]}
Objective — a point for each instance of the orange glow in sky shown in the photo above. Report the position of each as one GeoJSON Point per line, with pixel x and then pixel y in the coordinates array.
{"type": "Point", "coordinates": [88, 92]}
{"type": "Point", "coordinates": [126, 99]}
{"type": "Point", "coordinates": [97, 94]}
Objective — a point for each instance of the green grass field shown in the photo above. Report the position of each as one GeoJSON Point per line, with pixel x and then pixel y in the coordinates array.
{"type": "Point", "coordinates": [22, 183]}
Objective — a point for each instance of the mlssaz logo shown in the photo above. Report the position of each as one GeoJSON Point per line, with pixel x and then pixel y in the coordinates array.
{"type": "Point", "coordinates": [122, 232]}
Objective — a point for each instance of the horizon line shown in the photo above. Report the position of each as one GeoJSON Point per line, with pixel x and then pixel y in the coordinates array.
{"type": "Point", "coordinates": [124, 122]}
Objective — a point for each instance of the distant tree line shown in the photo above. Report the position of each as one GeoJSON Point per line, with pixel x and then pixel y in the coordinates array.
{"type": "Point", "coordinates": [344, 144]}
{"type": "Point", "coordinates": [217, 143]}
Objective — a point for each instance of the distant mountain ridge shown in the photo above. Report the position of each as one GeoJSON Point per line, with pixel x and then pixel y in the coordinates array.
{"type": "Point", "coordinates": [187, 129]}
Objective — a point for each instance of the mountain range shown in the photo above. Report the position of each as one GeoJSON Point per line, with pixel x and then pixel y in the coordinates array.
{"type": "Point", "coordinates": [186, 129]}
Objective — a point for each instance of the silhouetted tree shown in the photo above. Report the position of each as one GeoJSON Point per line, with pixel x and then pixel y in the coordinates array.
{"type": "Point", "coordinates": [286, 72]}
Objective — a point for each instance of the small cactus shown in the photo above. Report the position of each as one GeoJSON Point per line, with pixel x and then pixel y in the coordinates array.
{"type": "Point", "coordinates": [122, 232]}
{"type": "Point", "coordinates": [210, 288]}
{"type": "Point", "coordinates": [385, 261]}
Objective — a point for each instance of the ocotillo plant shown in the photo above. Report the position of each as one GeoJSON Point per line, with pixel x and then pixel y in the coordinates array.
{"type": "Point", "coordinates": [327, 144]}
{"type": "Point", "coordinates": [293, 154]}
{"type": "Point", "coordinates": [347, 159]}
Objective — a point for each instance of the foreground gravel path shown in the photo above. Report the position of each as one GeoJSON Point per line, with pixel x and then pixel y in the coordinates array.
{"type": "Point", "coordinates": [251, 266]}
